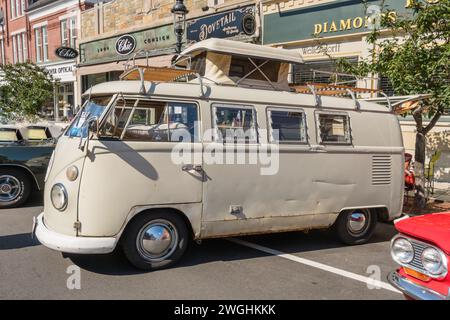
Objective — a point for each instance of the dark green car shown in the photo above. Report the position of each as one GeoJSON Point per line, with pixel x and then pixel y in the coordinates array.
{"type": "Point", "coordinates": [23, 163]}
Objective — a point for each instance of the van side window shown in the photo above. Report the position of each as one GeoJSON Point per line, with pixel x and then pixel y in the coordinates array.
{"type": "Point", "coordinates": [334, 128]}
{"type": "Point", "coordinates": [235, 123]}
{"type": "Point", "coordinates": [154, 121]}
{"type": "Point", "coordinates": [287, 126]}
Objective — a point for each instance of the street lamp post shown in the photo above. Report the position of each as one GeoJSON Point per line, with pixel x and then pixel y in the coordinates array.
{"type": "Point", "coordinates": [179, 12]}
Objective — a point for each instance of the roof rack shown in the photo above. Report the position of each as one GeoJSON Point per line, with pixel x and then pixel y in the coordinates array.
{"type": "Point", "coordinates": [160, 74]}
{"type": "Point", "coordinates": [336, 90]}
{"type": "Point", "coordinates": [400, 104]}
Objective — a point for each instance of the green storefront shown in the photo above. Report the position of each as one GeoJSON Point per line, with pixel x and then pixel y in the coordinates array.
{"type": "Point", "coordinates": [339, 26]}
{"type": "Point", "coordinates": [104, 59]}
{"type": "Point", "coordinates": [330, 19]}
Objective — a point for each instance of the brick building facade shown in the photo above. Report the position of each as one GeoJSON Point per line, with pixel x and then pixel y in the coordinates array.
{"type": "Point", "coordinates": [53, 24]}
{"type": "Point", "coordinates": [31, 30]}
{"type": "Point", "coordinates": [14, 37]}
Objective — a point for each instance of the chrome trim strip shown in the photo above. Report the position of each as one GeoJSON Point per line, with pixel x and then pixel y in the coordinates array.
{"type": "Point", "coordinates": [414, 290]}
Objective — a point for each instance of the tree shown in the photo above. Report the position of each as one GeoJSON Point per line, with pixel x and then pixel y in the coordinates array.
{"type": "Point", "coordinates": [413, 51]}
{"type": "Point", "coordinates": [24, 89]}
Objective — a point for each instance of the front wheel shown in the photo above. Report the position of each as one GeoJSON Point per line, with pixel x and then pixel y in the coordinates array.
{"type": "Point", "coordinates": [356, 226]}
{"type": "Point", "coordinates": [155, 240]}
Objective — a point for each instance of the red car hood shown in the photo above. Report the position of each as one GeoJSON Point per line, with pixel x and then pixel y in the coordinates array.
{"type": "Point", "coordinates": [433, 228]}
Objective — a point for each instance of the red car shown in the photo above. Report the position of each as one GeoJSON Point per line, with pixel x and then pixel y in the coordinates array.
{"type": "Point", "coordinates": [422, 249]}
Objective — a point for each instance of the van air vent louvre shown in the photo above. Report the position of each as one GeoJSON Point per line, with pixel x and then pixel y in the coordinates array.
{"type": "Point", "coordinates": [381, 170]}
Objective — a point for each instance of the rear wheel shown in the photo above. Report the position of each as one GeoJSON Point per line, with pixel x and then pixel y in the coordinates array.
{"type": "Point", "coordinates": [155, 240]}
{"type": "Point", "coordinates": [356, 226]}
{"type": "Point", "coordinates": [15, 188]}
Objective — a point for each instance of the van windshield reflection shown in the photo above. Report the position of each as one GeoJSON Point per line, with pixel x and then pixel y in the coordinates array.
{"type": "Point", "coordinates": [94, 108]}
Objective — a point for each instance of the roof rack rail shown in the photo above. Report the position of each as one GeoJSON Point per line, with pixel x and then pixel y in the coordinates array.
{"type": "Point", "coordinates": [160, 74]}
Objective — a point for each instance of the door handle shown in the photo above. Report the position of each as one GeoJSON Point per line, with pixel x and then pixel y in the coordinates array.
{"type": "Point", "coordinates": [190, 167]}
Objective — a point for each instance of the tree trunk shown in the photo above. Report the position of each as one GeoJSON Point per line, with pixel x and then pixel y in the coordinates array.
{"type": "Point", "coordinates": [419, 170]}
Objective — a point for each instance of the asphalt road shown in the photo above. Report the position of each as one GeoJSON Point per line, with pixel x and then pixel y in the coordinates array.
{"type": "Point", "coordinates": [281, 266]}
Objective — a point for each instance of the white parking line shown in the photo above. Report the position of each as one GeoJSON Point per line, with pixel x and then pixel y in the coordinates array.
{"type": "Point", "coordinates": [369, 281]}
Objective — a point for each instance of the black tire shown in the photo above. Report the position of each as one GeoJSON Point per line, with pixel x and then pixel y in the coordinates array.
{"type": "Point", "coordinates": [348, 235]}
{"type": "Point", "coordinates": [137, 255]}
{"type": "Point", "coordinates": [13, 177]}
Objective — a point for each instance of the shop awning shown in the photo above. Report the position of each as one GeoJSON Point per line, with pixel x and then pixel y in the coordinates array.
{"type": "Point", "coordinates": [158, 61]}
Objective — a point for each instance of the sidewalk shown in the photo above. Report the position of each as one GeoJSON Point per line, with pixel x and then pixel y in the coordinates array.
{"type": "Point", "coordinates": [441, 192]}
{"type": "Point", "coordinates": [438, 202]}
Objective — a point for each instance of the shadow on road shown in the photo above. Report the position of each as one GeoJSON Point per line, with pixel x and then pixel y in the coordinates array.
{"type": "Point", "coordinates": [214, 250]}
{"type": "Point", "coordinates": [17, 241]}
{"type": "Point", "coordinates": [36, 200]}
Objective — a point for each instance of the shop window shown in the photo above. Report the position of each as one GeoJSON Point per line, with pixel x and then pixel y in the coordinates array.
{"type": "Point", "coordinates": [386, 86]}
{"type": "Point", "coordinates": [309, 72]}
{"type": "Point", "coordinates": [235, 123]}
{"type": "Point", "coordinates": [334, 128]}
{"type": "Point", "coordinates": [287, 126]}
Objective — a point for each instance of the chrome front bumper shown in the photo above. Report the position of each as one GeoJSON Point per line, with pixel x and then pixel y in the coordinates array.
{"type": "Point", "coordinates": [70, 244]}
{"type": "Point", "coordinates": [414, 290]}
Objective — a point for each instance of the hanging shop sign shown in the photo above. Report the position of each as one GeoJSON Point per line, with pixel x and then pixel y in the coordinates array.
{"type": "Point", "coordinates": [66, 53]}
{"type": "Point", "coordinates": [125, 45]}
{"type": "Point", "coordinates": [236, 23]}
{"type": "Point", "coordinates": [154, 41]}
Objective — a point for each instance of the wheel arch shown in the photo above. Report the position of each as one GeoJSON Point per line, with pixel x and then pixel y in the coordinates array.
{"type": "Point", "coordinates": [136, 213]}
{"type": "Point", "coordinates": [382, 212]}
{"type": "Point", "coordinates": [27, 171]}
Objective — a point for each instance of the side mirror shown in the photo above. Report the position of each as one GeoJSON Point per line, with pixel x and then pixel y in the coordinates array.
{"type": "Point", "coordinates": [91, 126]}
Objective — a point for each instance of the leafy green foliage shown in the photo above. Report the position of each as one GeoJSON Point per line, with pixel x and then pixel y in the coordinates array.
{"type": "Point", "coordinates": [413, 51]}
{"type": "Point", "coordinates": [24, 89]}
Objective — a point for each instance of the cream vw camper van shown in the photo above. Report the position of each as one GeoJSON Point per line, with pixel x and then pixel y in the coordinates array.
{"type": "Point", "coordinates": [219, 146]}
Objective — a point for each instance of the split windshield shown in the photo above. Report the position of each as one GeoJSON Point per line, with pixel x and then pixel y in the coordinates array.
{"type": "Point", "coordinates": [94, 108]}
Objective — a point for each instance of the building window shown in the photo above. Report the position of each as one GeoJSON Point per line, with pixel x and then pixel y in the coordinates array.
{"type": "Point", "coordinates": [213, 3]}
{"type": "Point", "coordinates": [385, 85]}
{"type": "Point", "coordinates": [2, 52]}
{"type": "Point", "coordinates": [14, 45]}
{"type": "Point", "coordinates": [64, 33]}
{"type": "Point", "coordinates": [69, 32]}
{"type": "Point", "coordinates": [25, 47]}
{"type": "Point", "coordinates": [73, 32]}
{"type": "Point", "coordinates": [17, 8]}
{"type": "Point", "coordinates": [41, 44]}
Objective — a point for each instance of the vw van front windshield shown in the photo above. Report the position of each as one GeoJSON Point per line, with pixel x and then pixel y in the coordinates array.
{"type": "Point", "coordinates": [94, 108]}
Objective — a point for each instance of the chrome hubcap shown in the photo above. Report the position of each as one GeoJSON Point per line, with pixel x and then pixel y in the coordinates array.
{"type": "Point", "coordinates": [157, 240]}
{"type": "Point", "coordinates": [358, 222]}
{"type": "Point", "coordinates": [10, 188]}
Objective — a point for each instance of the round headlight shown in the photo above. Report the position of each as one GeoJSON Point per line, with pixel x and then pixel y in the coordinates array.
{"type": "Point", "coordinates": [433, 261]}
{"type": "Point", "coordinates": [59, 197]}
{"type": "Point", "coordinates": [402, 251]}
{"type": "Point", "coordinates": [72, 173]}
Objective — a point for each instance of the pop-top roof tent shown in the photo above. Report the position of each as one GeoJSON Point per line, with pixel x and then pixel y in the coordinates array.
{"type": "Point", "coordinates": [226, 62]}
{"type": "Point", "coordinates": [233, 63]}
